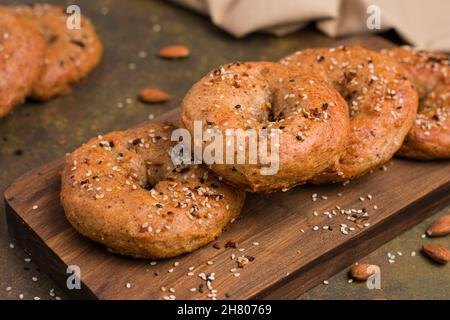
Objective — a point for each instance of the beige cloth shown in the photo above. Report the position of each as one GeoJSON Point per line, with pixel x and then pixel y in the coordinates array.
{"type": "Point", "coordinates": [423, 23]}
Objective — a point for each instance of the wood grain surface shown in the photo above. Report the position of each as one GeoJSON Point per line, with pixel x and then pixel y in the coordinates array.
{"type": "Point", "coordinates": [277, 230]}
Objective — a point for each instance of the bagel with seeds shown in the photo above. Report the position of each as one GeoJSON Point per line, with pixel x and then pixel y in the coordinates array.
{"type": "Point", "coordinates": [22, 50]}
{"type": "Point", "coordinates": [382, 103]}
{"type": "Point", "coordinates": [430, 72]}
{"type": "Point", "coordinates": [123, 191]}
{"type": "Point", "coordinates": [70, 55]}
{"type": "Point", "coordinates": [308, 116]}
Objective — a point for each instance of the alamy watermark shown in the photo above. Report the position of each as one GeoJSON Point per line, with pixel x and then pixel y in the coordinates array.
{"type": "Point", "coordinates": [73, 21]}
{"type": "Point", "coordinates": [374, 281]}
{"type": "Point", "coordinates": [73, 281]}
{"type": "Point", "coordinates": [234, 146]}
{"type": "Point", "coordinates": [373, 22]}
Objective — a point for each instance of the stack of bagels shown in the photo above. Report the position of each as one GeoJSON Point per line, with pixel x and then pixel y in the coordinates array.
{"type": "Point", "coordinates": [339, 114]}
{"type": "Point", "coordinates": [41, 54]}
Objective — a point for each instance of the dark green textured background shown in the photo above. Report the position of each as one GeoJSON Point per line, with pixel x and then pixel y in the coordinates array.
{"type": "Point", "coordinates": [33, 130]}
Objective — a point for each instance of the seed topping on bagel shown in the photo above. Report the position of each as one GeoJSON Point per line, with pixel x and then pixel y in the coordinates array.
{"type": "Point", "coordinates": [382, 104]}
{"type": "Point", "coordinates": [123, 190]}
{"type": "Point", "coordinates": [305, 120]}
{"type": "Point", "coordinates": [430, 72]}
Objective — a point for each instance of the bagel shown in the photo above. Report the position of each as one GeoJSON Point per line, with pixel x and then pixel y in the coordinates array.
{"type": "Point", "coordinates": [430, 72]}
{"type": "Point", "coordinates": [310, 117]}
{"type": "Point", "coordinates": [70, 55]}
{"type": "Point", "coordinates": [123, 191]}
{"type": "Point", "coordinates": [382, 103]}
{"type": "Point", "coordinates": [21, 59]}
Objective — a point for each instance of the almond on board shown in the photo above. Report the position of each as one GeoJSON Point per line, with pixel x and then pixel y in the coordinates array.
{"type": "Point", "coordinates": [174, 52]}
{"type": "Point", "coordinates": [440, 227]}
{"type": "Point", "coordinates": [437, 253]}
{"type": "Point", "coordinates": [153, 95]}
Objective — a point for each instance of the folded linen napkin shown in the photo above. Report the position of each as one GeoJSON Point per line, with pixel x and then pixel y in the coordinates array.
{"type": "Point", "coordinates": [422, 23]}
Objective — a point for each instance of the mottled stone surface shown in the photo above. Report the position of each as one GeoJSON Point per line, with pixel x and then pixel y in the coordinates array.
{"type": "Point", "coordinates": [37, 133]}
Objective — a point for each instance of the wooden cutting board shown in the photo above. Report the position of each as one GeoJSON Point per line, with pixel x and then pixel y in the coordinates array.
{"type": "Point", "coordinates": [277, 230]}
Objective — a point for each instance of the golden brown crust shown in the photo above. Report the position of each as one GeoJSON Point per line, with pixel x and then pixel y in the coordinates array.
{"type": "Point", "coordinates": [122, 190]}
{"type": "Point", "coordinates": [382, 102]}
{"type": "Point", "coordinates": [71, 54]}
{"type": "Point", "coordinates": [310, 116]}
{"type": "Point", "coordinates": [430, 72]}
{"type": "Point", "coordinates": [21, 59]}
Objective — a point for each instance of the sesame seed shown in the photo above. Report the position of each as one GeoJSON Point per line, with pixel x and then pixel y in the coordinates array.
{"type": "Point", "coordinates": [157, 28]}
{"type": "Point", "coordinates": [104, 11]}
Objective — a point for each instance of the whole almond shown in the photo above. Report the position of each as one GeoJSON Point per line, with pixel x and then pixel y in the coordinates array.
{"type": "Point", "coordinates": [437, 253]}
{"type": "Point", "coordinates": [363, 271]}
{"type": "Point", "coordinates": [440, 227]}
{"type": "Point", "coordinates": [153, 95]}
{"type": "Point", "coordinates": [174, 52]}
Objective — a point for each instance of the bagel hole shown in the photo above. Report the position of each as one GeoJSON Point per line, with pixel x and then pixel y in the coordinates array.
{"type": "Point", "coordinates": [155, 173]}
{"type": "Point", "coordinates": [148, 186]}
{"type": "Point", "coordinates": [271, 114]}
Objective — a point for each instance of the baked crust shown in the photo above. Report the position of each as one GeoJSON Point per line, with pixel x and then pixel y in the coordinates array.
{"type": "Point", "coordinates": [429, 138]}
{"type": "Point", "coordinates": [310, 116]}
{"type": "Point", "coordinates": [382, 102]}
{"type": "Point", "coordinates": [21, 59]}
{"type": "Point", "coordinates": [70, 54]}
{"type": "Point", "coordinates": [123, 191]}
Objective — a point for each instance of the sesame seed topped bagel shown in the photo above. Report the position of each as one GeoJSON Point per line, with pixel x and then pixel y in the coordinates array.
{"type": "Point", "coordinates": [382, 102]}
{"type": "Point", "coordinates": [307, 115]}
{"type": "Point", "coordinates": [70, 55]}
{"type": "Point", "coordinates": [123, 191]}
{"type": "Point", "coordinates": [430, 72]}
{"type": "Point", "coordinates": [22, 50]}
